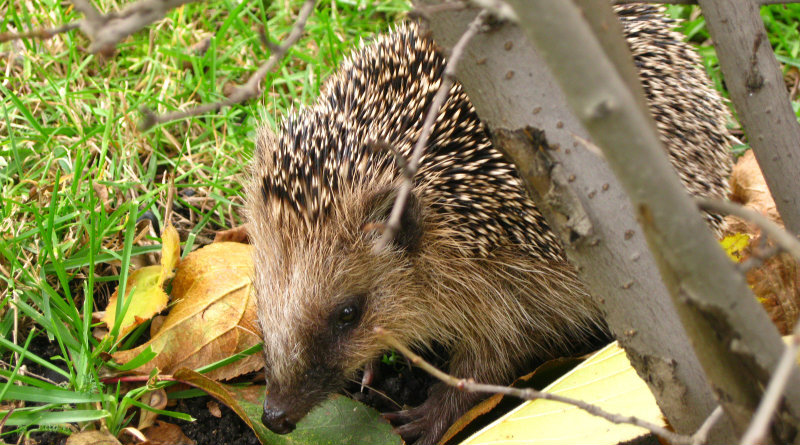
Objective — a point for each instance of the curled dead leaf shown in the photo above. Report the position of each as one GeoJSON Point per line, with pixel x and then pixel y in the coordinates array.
{"type": "Point", "coordinates": [147, 299]}
{"type": "Point", "coordinates": [167, 433]}
{"type": "Point", "coordinates": [237, 234]}
{"type": "Point", "coordinates": [156, 399]}
{"type": "Point", "coordinates": [96, 437]}
{"type": "Point", "coordinates": [776, 284]}
{"type": "Point", "coordinates": [213, 318]}
{"type": "Point", "coordinates": [749, 188]}
{"type": "Point", "coordinates": [775, 279]}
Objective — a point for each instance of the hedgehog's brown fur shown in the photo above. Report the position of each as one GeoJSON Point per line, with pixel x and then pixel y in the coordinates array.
{"type": "Point", "coordinates": [475, 267]}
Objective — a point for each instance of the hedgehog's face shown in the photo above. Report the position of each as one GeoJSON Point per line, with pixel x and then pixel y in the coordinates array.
{"type": "Point", "coordinates": [320, 295]}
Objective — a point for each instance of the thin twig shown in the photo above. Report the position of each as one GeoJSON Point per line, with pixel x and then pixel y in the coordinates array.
{"type": "Point", "coordinates": [757, 430]}
{"type": "Point", "coordinates": [251, 89]}
{"type": "Point", "coordinates": [498, 8]}
{"type": "Point", "coordinates": [778, 234]}
{"type": "Point", "coordinates": [5, 272]}
{"type": "Point", "coordinates": [137, 378]}
{"type": "Point", "coordinates": [393, 225]}
{"type": "Point", "coordinates": [700, 437]}
{"type": "Point", "coordinates": [528, 393]}
{"type": "Point", "coordinates": [41, 33]}
{"type": "Point", "coordinates": [93, 16]}
{"type": "Point", "coordinates": [106, 30]}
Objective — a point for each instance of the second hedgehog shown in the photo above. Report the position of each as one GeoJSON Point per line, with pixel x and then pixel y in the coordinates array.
{"type": "Point", "coordinates": [475, 267]}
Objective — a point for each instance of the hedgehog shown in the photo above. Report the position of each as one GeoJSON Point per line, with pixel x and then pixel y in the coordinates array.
{"type": "Point", "coordinates": [474, 268]}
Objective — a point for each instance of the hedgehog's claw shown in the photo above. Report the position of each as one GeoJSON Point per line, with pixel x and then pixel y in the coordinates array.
{"type": "Point", "coordinates": [418, 426]}
{"type": "Point", "coordinates": [425, 424]}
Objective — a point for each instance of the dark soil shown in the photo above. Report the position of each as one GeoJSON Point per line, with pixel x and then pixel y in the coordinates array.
{"type": "Point", "coordinates": [395, 387]}
{"type": "Point", "coordinates": [42, 347]}
{"type": "Point", "coordinates": [228, 429]}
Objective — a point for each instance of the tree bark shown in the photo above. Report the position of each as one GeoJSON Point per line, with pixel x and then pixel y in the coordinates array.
{"type": "Point", "coordinates": [755, 82]}
{"type": "Point", "coordinates": [733, 338]}
{"type": "Point", "coordinates": [514, 94]}
{"type": "Point", "coordinates": [512, 89]}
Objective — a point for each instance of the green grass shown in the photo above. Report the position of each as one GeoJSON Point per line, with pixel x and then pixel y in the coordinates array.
{"type": "Point", "coordinates": [781, 24]}
{"type": "Point", "coordinates": [76, 173]}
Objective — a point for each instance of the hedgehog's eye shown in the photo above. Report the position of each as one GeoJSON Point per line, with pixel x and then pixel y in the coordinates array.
{"type": "Point", "coordinates": [347, 316]}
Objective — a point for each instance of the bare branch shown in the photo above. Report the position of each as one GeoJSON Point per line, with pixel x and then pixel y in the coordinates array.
{"type": "Point", "coordinates": [783, 238]}
{"type": "Point", "coordinates": [498, 8]}
{"type": "Point", "coordinates": [251, 89]}
{"type": "Point", "coordinates": [107, 30]}
{"type": "Point", "coordinates": [527, 393]}
{"type": "Point", "coordinates": [701, 436]}
{"type": "Point", "coordinates": [425, 11]}
{"type": "Point", "coordinates": [41, 33]}
{"type": "Point", "coordinates": [393, 225]}
{"type": "Point", "coordinates": [91, 13]}
{"type": "Point", "coordinates": [757, 431]}
{"type": "Point", "coordinates": [756, 86]}
{"type": "Point", "coordinates": [733, 338]}
{"type": "Point", "coordinates": [622, 275]}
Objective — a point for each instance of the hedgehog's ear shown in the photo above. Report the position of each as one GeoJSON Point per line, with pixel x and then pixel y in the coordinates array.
{"type": "Point", "coordinates": [379, 206]}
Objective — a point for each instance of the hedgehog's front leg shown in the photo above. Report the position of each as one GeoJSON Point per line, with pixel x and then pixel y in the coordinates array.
{"type": "Point", "coordinates": [425, 424]}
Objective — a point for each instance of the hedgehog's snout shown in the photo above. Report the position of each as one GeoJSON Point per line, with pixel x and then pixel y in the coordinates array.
{"type": "Point", "coordinates": [276, 419]}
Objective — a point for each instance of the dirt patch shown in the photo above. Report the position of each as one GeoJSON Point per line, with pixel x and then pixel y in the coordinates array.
{"type": "Point", "coordinates": [228, 429]}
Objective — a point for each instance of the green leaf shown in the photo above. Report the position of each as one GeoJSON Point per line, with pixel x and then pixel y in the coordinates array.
{"type": "Point", "coordinates": [338, 421]}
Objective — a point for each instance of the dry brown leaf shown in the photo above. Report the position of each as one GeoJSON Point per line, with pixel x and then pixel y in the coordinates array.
{"type": "Point", "coordinates": [214, 315]}
{"type": "Point", "coordinates": [776, 284]}
{"type": "Point", "coordinates": [155, 399]}
{"type": "Point", "coordinates": [775, 280]}
{"type": "Point", "coordinates": [167, 434]}
{"type": "Point", "coordinates": [237, 235]}
{"type": "Point", "coordinates": [145, 287]}
{"type": "Point", "coordinates": [93, 438]}
{"type": "Point", "coordinates": [130, 435]}
{"type": "Point", "coordinates": [213, 408]}
{"type": "Point", "coordinates": [749, 188]}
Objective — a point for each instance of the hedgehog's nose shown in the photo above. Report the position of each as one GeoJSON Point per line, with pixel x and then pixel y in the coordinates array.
{"type": "Point", "coordinates": [275, 420]}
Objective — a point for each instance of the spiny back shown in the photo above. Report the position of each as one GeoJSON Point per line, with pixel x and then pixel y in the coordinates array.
{"type": "Point", "coordinates": [381, 94]}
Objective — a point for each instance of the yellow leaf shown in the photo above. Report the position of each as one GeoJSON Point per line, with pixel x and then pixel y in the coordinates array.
{"type": "Point", "coordinates": [148, 299]}
{"type": "Point", "coordinates": [170, 252]}
{"type": "Point", "coordinates": [735, 244]}
{"type": "Point", "coordinates": [606, 380]}
{"type": "Point", "coordinates": [148, 296]}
